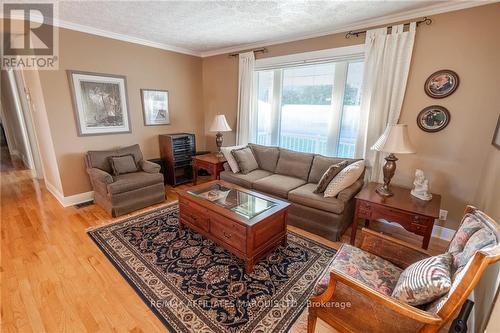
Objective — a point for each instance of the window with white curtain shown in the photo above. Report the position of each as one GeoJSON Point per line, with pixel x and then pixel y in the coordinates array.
{"type": "Point", "coordinates": [310, 102]}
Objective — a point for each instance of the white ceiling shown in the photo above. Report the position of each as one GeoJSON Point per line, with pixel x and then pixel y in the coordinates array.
{"type": "Point", "coordinates": [211, 27]}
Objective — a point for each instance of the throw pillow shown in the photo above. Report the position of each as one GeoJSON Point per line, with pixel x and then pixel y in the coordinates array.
{"type": "Point", "coordinates": [226, 151]}
{"type": "Point", "coordinates": [123, 164]}
{"type": "Point", "coordinates": [245, 159]}
{"type": "Point", "coordinates": [424, 281]}
{"type": "Point", "coordinates": [345, 178]}
{"type": "Point", "coordinates": [329, 174]}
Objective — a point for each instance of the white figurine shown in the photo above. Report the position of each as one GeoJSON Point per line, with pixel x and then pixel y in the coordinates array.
{"type": "Point", "coordinates": [421, 189]}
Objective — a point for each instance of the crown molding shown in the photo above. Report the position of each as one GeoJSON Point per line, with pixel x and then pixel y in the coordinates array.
{"type": "Point", "coordinates": [438, 8]}
{"type": "Point", "coordinates": [112, 35]}
{"type": "Point", "coordinates": [435, 9]}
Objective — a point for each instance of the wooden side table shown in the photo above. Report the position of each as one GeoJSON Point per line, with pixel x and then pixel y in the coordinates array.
{"type": "Point", "coordinates": [209, 162]}
{"type": "Point", "coordinates": [413, 214]}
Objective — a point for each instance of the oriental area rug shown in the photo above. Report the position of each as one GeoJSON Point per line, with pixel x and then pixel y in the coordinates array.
{"type": "Point", "coordinates": [194, 285]}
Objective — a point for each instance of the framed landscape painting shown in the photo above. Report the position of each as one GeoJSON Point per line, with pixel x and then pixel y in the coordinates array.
{"type": "Point", "coordinates": [100, 103]}
{"type": "Point", "coordinates": [155, 107]}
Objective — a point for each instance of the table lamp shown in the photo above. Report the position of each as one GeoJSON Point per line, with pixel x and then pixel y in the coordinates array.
{"type": "Point", "coordinates": [394, 140]}
{"type": "Point", "coordinates": [219, 125]}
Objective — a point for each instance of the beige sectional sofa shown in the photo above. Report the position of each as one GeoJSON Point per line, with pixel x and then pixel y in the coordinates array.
{"type": "Point", "coordinates": [293, 176]}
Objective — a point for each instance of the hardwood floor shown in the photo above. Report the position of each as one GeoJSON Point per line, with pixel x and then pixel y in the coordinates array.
{"type": "Point", "coordinates": [53, 277]}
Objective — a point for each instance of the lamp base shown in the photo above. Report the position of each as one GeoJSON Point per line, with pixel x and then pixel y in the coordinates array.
{"type": "Point", "coordinates": [389, 170]}
{"type": "Point", "coordinates": [218, 142]}
{"type": "Point", "coordinates": [384, 191]}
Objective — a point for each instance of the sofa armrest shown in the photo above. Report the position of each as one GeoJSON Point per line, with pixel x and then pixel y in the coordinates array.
{"type": "Point", "coordinates": [348, 193]}
{"type": "Point", "coordinates": [100, 175]}
{"type": "Point", "coordinates": [226, 166]}
{"type": "Point", "coordinates": [394, 250]}
{"type": "Point", "coordinates": [149, 167]}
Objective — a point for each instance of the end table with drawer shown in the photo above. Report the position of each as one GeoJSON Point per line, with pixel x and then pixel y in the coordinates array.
{"type": "Point", "coordinates": [413, 214]}
{"type": "Point", "coordinates": [210, 162]}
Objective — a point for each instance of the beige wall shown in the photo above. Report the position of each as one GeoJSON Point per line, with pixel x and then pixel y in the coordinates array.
{"type": "Point", "coordinates": [465, 41]}
{"type": "Point", "coordinates": [144, 67]}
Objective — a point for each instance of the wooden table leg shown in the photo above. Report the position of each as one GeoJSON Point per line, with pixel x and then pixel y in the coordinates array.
{"type": "Point", "coordinates": [354, 228]}
{"type": "Point", "coordinates": [249, 266]}
{"type": "Point", "coordinates": [213, 172]}
{"type": "Point", "coordinates": [427, 238]}
{"type": "Point", "coordinates": [195, 173]}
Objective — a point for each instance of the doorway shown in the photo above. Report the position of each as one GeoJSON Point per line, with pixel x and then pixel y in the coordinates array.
{"type": "Point", "coordinates": [17, 122]}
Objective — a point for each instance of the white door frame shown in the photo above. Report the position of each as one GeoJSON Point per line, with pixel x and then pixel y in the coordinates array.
{"type": "Point", "coordinates": [30, 124]}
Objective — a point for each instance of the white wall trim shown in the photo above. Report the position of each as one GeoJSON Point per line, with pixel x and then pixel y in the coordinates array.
{"type": "Point", "coordinates": [439, 8]}
{"type": "Point", "coordinates": [69, 200]}
{"type": "Point", "coordinates": [113, 35]}
{"type": "Point", "coordinates": [408, 15]}
{"type": "Point", "coordinates": [344, 53]}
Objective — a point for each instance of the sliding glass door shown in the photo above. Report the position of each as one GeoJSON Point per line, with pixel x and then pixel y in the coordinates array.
{"type": "Point", "coordinates": [313, 108]}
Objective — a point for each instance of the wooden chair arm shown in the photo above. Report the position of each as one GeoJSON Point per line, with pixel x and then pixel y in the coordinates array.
{"type": "Point", "coordinates": [387, 301]}
{"type": "Point", "coordinates": [394, 250]}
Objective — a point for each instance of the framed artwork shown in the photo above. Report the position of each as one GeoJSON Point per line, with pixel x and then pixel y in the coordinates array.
{"type": "Point", "coordinates": [433, 118]}
{"type": "Point", "coordinates": [496, 135]}
{"type": "Point", "coordinates": [441, 83]}
{"type": "Point", "coordinates": [100, 103]}
{"type": "Point", "coordinates": [155, 107]}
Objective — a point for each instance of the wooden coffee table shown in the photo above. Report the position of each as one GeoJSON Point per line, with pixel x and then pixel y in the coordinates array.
{"type": "Point", "coordinates": [246, 223]}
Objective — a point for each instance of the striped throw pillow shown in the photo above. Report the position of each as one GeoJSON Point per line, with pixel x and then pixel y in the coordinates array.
{"type": "Point", "coordinates": [424, 281]}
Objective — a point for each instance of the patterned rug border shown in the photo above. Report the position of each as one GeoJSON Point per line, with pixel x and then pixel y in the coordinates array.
{"type": "Point", "coordinates": [143, 296]}
{"type": "Point", "coordinates": [116, 220]}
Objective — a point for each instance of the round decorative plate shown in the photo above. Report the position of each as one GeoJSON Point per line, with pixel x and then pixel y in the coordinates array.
{"type": "Point", "coordinates": [441, 83]}
{"type": "Point", "coordinates": [433, 118]}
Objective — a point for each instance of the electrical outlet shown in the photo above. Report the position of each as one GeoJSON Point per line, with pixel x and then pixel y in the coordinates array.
{"type": "Point", "coordinates": [443, 214]}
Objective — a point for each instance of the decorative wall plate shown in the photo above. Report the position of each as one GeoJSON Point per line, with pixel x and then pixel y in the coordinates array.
{"type": "Point", "coordinates": [441, 83]}
{"type": "Point", "coordinates": [433, 118]}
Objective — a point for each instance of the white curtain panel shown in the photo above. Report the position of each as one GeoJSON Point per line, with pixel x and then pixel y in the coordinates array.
{"type": "Point", "coordinates": [387, 63]}
{"type": "Point", "coordinates": [247, 121]}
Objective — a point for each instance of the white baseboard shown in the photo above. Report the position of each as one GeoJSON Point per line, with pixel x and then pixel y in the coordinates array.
{"type": "Point", "coordinates": [69, 200]}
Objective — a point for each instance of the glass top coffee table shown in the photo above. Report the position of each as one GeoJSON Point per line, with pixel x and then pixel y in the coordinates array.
{"type": "Point", "coordinates": [249, 224]}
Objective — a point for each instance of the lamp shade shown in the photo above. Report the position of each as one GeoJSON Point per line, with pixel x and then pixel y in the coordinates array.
{"type": "Point", "coordinates": [395, 140]}
{"type": "Point", "coordinates": [220, 124]}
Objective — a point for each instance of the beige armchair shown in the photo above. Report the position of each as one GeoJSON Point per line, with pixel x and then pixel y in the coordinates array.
{"type": "Point", "coordinates": [357, 299]}
{"type": "Point", "coordinates": [127, 192]}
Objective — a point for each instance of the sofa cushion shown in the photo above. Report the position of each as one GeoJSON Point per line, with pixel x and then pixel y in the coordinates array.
{"type": "Point", "coordinates": [267, 157]}
{"type": "Point", "coordinates": [244, 180]}
{"type": "Point", "coordinates": [305, 195]}
{"type": "Point", "coordinates": [328, 176]}
{"type": "Point", "coordinates": [345, 178]}
{"type": "Point", "coordinates": [320, 164]}
{"type": "Point", "coordinates": [278, 185]}
{"type": "Point", "coordinates": [134, 150]}
{"type": "Point", "coordinates": [369, 269]}
{"type": "Point", "coordinates": [425, 280]}
{"type": "Point", "coordinates": [294, 164]}
{"type": "Point", "coordinates": [123, 164]}
{"type": "Point", "coordinates": [132, 181]}
{"type": "Point", "coordinates": [100, 159]}
{"type": "Point", "coordinates": [226, 151]}
{"type": "Point", "coordinates": [245, 159]}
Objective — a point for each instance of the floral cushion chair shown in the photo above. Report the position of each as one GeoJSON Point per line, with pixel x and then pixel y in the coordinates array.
{"type": "Point", "coordinates": [356, 294]}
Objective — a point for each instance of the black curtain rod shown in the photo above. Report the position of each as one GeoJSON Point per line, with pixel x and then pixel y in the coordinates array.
{"type": "Point", "coordinates": [261, 50]}
{"type": "Point", "coordinates": [425, 20]}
